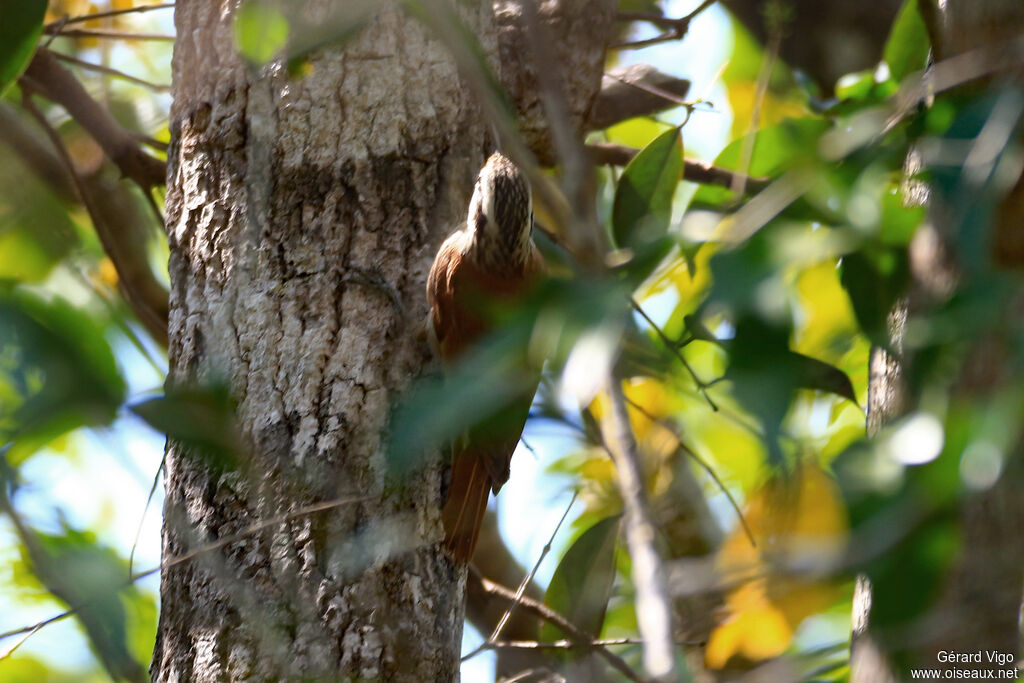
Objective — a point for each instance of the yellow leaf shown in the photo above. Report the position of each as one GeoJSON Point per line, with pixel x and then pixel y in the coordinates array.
{"type": "Point", "coordinates": [756, 631]}
{"type": "Point", "coordinates": [797, 520]}
{"type": "Point", "coordinates": [827, 313]}
{"type": "Point", "coordinates": [774, 108]}
{"type": "Point", "coordinates": [106, 273]}
{"type": "Point", "coordinates": [648, 402]}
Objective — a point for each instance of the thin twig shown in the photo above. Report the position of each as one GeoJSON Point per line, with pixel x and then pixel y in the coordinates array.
{"type": "Point", "coordinates": [203, 549]}
{"type": "Point", "coordinates": [21, 641]}
{"type": "Point", "coordinates": [652, 603]}
{"type": "Point", "coordinates": [55, 25]}
{"type": "Point", "coordinates": [702, 386]}
{"type": "Point", "coordinates": [529, 447]}
{"type": "Point", "coordinates": [111, 72]}
{"type": "Point", "coordinates": [52, 80]}
{"type": "Point", "coordinates": [576, 634]}
{"type": "Point", "coordinates": [677, 28]}
{"type": "Point", "coordinates": [108, 33]}
{"type": "Point", "coordinates": [521, 590]}
{"type": "Point", "coordinates": [560, 644]}
{"type": "Point", "coordinates": [145, 509]}
{"type": "Point", "coordinates": [702, 463]}
{"type": "Point", "coordinates": [533, 572]}
{"type": "Point", "coordinates": [652, 90]}
{"type": "Point", "coordinates": [763, 79]}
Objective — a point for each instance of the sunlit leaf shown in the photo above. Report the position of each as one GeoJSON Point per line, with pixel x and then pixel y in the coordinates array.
{"type": "Point", "coordinates": [643, 199]}
{"type": "Point", "coordinates": [855, 86]}
{"type": "Point", "coordinates": [775, 149]}
{"type": "Point", "coordinates": [261, 31]}
{"type": "Point", "coordinates": [637, 133]}
{"type": "Point", "coordinates": [907, 48]}
{"type": "Point", "coordinates": [20, 29]}
{"type": "Point", "coordinates": [796, 521]}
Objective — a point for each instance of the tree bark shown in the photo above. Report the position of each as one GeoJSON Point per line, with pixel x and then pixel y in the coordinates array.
{"type": "Point", "coordinates": [302, 217]}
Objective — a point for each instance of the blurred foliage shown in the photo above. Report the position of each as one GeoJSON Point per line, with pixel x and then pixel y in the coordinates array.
{"type": "Point", "coordinates": [739, 322]}
{"type": "Point", "coordinates": [67, 367]}
{"type": "Point", "coordinates": [19, 33]}
{"type": "Point", "coordinates": [582, 583]}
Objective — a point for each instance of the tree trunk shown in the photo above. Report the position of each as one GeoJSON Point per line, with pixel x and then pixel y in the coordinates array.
{"type": "Point", "coordinates": [302, 215]}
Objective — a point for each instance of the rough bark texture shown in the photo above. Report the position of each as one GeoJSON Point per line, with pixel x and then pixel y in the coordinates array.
{"type": "Point", "coordinates": [578, 31]}
{"type": "Point", "coordinates": [297, 210]}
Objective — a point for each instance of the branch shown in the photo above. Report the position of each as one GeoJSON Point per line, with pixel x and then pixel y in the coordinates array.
{"type": "Point", "coordinates": [576, 635]}
{"type": "Point", "coordinates": [653, 605]}
{"type": "Point", "coordinates": [146, 296]}
{"type": "Point", "coordinates": [611, 154]}
{"type": "Point", "coordinates": [677, 28]}
{"type": "Point", "coordinates": [104, 33]}
{"type": "Point", "coordinates": [46, 76]}
{"type": "Point", "coordinates": [636, 90]}
{"type": "Point", "coordinates": [483, 610]}
{"type": "Point", "coordinates": [577, 173]}
{"type": "Point", "coordinates": [931, 15]}
{"type": "Point", "coordinates": [566, 644]}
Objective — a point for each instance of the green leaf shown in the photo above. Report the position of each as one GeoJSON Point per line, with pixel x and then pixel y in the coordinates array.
{"type": "Point", "coordinates": [646, 259]}
{"type": "Point", "coordinates": [855, 86]}
{"type": "Point", "coordinates": [261, 31]}
{"type": "Point", "coordinates": [21, 24]}
{"type": "Point", "coordinates": [582, 584]}
{"type": "Point", "coordinates": [201, 418]}
{"type": "Point", "coordinates": [899, 222]}
{"type": "Point", "coordinates": [90, 578]}
{"type": "Point", "coordinates": [59, 367]}
{"type": "Point", "coordinates": [776, 149]}
{"type": "Point", "coordinates": [812, 373]}
{"type": "Point", "coordinates": [643, 200]}
{"type": "Point", "coordinates": [906, 50]}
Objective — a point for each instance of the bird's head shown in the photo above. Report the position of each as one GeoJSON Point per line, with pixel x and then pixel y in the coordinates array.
{"type": "Point", "coordinates": [501, 213]}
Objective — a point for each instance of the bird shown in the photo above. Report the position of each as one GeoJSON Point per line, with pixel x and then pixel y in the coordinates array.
{"type": "Point", "coordinates": [491, 259]}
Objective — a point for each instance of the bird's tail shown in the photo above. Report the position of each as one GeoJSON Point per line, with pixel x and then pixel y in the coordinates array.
{"type": "Point", "coordinates": [463, 512]}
